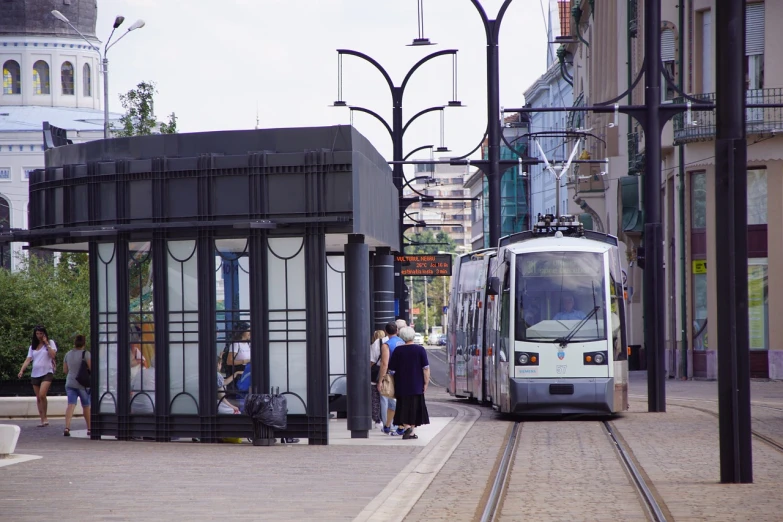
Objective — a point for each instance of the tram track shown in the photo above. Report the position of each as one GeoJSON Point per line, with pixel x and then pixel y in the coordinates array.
{"type": "Point", "coordinates": [492, 509]}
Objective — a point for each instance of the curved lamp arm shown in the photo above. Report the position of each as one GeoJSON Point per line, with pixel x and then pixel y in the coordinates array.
{"type": "Point", "coordinates": [417, 149]}
{"type": "Point", "coordinates": [377, 117]}
{"type": "Point", "coordinates": [422, 62]}
{"type": "Point", "coordinates": [421, 113]}
{"type": "Point", "coordinates": [370, 60]}
{"type": "Point", "coordinates": [491, 31]}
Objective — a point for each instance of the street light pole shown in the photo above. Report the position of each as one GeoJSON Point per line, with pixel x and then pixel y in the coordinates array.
{"type": "Point", "coordinates": [396, 131]}
{"type": "Point", "coordinates": [138, 24]}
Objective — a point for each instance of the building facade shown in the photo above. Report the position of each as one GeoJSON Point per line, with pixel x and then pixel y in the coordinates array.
{"type": "Point", "coordinates": [553, 89]}
{"type": "Point", "coordinates": [450, 216]}
{"type": "Point", "coordinates": [608, 52]}
{"type": "Point", "coordinates": [49, 73]}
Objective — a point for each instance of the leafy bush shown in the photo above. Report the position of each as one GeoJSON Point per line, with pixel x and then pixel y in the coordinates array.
{"type": "Point", "coordinates": [55, 296]}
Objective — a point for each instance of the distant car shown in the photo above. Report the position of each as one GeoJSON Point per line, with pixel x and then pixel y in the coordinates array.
{"type": "Point", "coordinates": [418, 339]}
{"type": "Point", "coordinates": [442, 340]}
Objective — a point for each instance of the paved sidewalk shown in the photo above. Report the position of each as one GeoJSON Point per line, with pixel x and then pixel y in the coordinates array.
{"type": "Point", "coordinates": [80, 479]}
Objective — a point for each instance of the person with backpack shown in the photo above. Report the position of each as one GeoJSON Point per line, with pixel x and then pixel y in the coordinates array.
{"type": "Point", "coordinates": [41, 353]}
{"type": "Point", "coordinates": [75, 389]}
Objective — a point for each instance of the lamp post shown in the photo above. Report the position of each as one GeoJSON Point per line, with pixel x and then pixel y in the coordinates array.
{"type": "Point", "coordinates": [494, 118]}
{"type": "Point", "coordinates": [138, 24]}
{"type": "Point", "coordinates": [396, 131]}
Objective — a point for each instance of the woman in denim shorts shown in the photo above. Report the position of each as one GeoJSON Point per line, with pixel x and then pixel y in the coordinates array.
{"type": "Point", "coordinates": [41, 353]}
{"type": "Point", "coordinates": [74, 390]}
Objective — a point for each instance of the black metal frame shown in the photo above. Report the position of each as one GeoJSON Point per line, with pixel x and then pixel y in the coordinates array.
{"type": "Point", "coordinates": [92, 194]}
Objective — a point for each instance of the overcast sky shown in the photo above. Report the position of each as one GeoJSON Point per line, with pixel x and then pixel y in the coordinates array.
{"type": "Point", "coordinates": [214, 62]}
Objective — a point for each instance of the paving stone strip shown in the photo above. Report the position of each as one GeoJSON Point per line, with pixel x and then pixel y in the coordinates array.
{"type": "Point", "coordinates": [403, 492]}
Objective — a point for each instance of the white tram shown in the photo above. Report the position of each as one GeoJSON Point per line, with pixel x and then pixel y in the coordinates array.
{"type": "Point", "coordinates": [537, 325]}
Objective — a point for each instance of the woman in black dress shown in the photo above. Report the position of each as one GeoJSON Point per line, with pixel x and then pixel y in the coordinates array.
{"type": "Point", "coordinates": [411, 370]}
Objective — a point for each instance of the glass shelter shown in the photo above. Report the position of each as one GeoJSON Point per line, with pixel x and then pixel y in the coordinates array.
{"type": "Point", "coordinates": [216, 272]}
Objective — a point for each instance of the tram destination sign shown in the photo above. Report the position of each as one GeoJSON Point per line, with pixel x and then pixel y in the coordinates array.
{"type": "Point", "coordinates": [423, 264]}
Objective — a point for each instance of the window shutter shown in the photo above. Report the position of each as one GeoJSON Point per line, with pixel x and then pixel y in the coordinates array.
{"type": "Point", "coordinates": [754, 28]}
{"type": "Point", "coordinates": [667, 45]}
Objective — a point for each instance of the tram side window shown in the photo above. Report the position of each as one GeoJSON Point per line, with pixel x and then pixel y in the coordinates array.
{"type": "Point", "coordinates": [505, 318]}
{"type": "Point", "coordinates": [560, 295]}
{"type": "Point", "coordinates": [616, 293]}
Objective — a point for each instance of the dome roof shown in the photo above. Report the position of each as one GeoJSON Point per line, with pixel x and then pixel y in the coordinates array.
{"type": "Point", "coordinates": [34, 17]}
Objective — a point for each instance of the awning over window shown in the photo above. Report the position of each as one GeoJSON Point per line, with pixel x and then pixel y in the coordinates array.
{"type": "Point", "coordinates": [633, 220]}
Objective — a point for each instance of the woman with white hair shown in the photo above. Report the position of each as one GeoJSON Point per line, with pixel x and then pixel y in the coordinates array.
{"type": "Point", "coordinates": [411, 369]}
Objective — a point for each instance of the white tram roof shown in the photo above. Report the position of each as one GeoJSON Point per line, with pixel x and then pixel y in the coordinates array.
{"type": "Point", "coordinates": [567, 244]}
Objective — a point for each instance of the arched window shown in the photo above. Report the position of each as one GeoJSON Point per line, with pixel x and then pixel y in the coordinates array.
{"type": "Point", "coordinates": [12, 78]}
{"type": "Point", "coordinates": [5, 223]}
{"type": "Point", "coordinates": [41, 78]}
{"type": "Point", "coordinates": [86, 80]}
{"type": "Point", "coordinates": [66, 77]}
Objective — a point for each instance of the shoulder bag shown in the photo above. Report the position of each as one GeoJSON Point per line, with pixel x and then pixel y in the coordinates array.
{"type": "Point", "coordinates": [83, 377]}
{"type": "Point", "coordinates": [387, 386]}
{"type": "Point", "coordinates": [375, 369]}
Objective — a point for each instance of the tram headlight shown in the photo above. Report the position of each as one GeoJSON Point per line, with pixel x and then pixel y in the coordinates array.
{"type": "Point", "coordinates": [523, 358]}
{"type": "Point", "coordinates": [599, 358]}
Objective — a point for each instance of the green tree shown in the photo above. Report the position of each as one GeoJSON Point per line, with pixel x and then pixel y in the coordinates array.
{"type": "Point", "coordinates": [139, 118]}
{"type": "Point", "coordinates": [40, 292]}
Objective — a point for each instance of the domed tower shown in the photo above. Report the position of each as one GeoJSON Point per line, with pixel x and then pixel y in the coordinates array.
{"type": "Point", "coordinates": [44, 61]}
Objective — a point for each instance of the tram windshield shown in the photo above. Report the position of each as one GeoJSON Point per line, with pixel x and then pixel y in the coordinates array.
{"type": "Point", "coordinates": [560, 297]}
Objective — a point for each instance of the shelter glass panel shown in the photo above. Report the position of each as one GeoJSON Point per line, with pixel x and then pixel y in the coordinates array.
{"type": "Point", "coordinates": [182, 265]}
{"type": "Point", "coordinates": [142, 328]}
{"type": "Point", "coordinates": [286, 279]}
{"type": "Point", "coordinates": [232, 322]}
{"type": "Point", "coordinates": [106, 344]}
{"type": "Point", "coordinates": [335, 290]}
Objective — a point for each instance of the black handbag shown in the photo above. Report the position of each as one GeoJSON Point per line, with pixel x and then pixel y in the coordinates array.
{"type": "Point", "coordinates": [83, 377]}
{"type": "Point", "coordinates": [375, 369]}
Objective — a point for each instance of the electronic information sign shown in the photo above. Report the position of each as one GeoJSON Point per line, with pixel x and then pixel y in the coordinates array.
{"type": "Point", "coordinates": [424, 264]}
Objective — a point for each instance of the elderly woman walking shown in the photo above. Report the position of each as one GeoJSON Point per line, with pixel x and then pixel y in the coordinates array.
{"type": "Point", "coordinates": [411, 369]}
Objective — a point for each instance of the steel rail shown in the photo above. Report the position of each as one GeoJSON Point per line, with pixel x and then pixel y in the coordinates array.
{"type": "Point", "coordinates": [650, 503]}
{"type": "Point", "coordinates": [501, 479]}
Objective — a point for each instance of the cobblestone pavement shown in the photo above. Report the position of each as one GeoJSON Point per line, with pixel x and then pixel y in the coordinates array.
{"type": "Point", "coordinates": [568, 470]}
{"type": "Point", "coordinates": [766, 400]}
{"type": "Point", "coordinates": [678, 451]}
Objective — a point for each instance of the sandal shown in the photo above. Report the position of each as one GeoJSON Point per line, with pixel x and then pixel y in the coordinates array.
{"type": "Point", "coordinates": [88, 433]}
{"type": "Point", "coordinates": [42, 425]}
{"type": "Point", "coordinates": [66, 432]}
{"type": "Point", "coordinates": [408, 434]}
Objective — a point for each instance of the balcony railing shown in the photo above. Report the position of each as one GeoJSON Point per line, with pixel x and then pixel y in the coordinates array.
{"type": "Point", "coordinates": [759, 120]}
